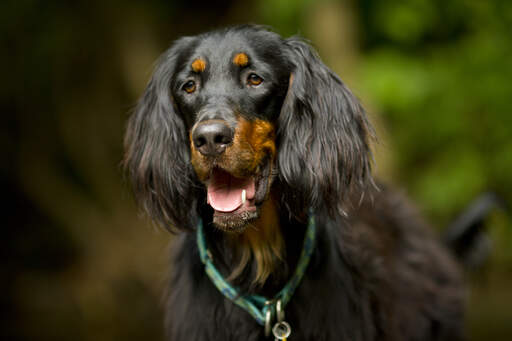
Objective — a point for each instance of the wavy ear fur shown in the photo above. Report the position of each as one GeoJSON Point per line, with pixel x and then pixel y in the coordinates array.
{"type": "Point", "coordinates": [323, 137]}
{"type": "Point", "coordinates": [156, 150]}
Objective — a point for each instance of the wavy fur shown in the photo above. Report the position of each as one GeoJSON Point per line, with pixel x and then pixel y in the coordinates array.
{"type": "Point", "coordinates": [323, 136]}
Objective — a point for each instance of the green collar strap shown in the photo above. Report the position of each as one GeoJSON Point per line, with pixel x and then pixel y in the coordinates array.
{"type": "Point", "coordinates": [256, 305]}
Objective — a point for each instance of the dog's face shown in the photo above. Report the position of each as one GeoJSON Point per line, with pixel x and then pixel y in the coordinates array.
{"type": "Point", "coordinates": [230, 112]}
{"type": "Point", "coordinates": [229, 90]}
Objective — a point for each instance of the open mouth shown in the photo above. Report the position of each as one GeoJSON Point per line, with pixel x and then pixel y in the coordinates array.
{"type": "Point", "coordinates": [235, 200]}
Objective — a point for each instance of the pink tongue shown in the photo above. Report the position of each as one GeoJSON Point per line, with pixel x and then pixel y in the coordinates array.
{"type": "Point", "coordinates": [225, 191]}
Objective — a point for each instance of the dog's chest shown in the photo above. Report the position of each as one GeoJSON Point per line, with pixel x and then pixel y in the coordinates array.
{"type": "Point", "coordinates": [318, 310]}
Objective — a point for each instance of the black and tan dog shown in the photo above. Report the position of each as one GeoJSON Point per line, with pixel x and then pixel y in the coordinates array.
{"type": "Point", "coordinates": [249, 133]}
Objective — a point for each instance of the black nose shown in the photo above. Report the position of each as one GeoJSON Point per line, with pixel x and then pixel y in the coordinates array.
{"type": "Point", "coordinates": [212, 137]}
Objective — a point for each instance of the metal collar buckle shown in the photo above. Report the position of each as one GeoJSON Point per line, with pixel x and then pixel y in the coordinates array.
{"type": "Point", "coordinates": [281, 329]}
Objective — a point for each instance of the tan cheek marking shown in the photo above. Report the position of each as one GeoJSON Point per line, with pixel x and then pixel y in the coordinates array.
{"type": "Point", "coordinates": [257, 138]}
{"type": "Point", "coordinates": [241, 59]}
{"type": "Point", "coordinates": [261, 137]}
{"type": "Point", "coordinates": [198, 65]}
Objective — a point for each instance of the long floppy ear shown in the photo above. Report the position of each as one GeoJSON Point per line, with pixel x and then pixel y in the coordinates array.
{"type": "Point", "coordinates": [323, 136]}
{"type": "Point", "coordinates": [157, 153]}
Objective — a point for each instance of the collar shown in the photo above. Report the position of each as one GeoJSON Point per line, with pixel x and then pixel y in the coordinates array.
{"type": "Point", "coordinates": [260, 308]}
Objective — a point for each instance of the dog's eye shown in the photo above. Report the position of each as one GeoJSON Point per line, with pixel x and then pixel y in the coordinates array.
{"type": "Point", "coordinates": [254, 79]}
{"type": "Point", "coordinates": [189, 87]}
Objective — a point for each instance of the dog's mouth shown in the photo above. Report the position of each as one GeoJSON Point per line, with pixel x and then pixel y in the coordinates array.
{"type": "Point", "coordinates": [236, 201]}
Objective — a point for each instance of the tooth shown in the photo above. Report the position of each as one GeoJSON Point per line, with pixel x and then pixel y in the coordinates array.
{"type": "Point", "coordinates": [243, 196]}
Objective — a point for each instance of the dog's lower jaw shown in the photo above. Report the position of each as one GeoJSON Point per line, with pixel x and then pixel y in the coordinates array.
{"type": "Point", "coordinates": [234, 222]}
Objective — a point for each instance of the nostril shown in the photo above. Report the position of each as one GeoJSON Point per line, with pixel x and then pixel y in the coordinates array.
{"type": "Point", "coordinates": [222, 139]}
{"type": "Point", "coordinates": [200, 141]}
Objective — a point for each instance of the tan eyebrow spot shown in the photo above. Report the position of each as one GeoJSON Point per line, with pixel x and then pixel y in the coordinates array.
{"type": "Point", "coordinates": [241, 59]}
{"type": "Point", "coordinates": [198, 65]}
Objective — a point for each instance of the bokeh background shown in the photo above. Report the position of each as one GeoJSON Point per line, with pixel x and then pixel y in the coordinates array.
{"type": "Point", "coordinates": [80, 262]}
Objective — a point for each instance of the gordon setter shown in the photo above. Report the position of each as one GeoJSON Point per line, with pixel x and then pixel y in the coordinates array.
{"type": "Point", "coordinates": [250, 138]}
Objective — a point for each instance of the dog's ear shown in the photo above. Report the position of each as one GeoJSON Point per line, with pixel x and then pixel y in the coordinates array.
{"type": "Point", "coordinates": [322, 135]}
{"type": "Point", "coordinates": [156, 150]}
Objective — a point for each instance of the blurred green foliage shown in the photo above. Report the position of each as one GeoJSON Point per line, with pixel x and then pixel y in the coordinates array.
{"type": "Point", "coordinates": [440, 74]}
{"type": "Point", "coordinates": [285, 16]}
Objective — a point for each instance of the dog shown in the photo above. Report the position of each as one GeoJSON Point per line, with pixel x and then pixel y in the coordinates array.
{"type": "Point", "coordinates": [260, 155]}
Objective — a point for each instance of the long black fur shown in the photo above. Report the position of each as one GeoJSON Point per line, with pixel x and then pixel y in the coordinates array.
{"type": "Point", "coordinates": [157, 157]}
{"type": "Point", "coordinates": [377, 273]}
{"type": "Point", "coordinates": [322, 135]}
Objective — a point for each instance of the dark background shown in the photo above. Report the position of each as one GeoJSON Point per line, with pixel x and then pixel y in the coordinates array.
{"type": "Point", "coordinates": [81, 263]}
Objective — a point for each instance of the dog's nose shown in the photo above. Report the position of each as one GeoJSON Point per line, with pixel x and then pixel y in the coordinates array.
{"type": "Point", "coordinates": [212, 138]}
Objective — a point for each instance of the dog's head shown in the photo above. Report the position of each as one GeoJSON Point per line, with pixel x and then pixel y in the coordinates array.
{"type": "Point", "coordinates": [228, 115]}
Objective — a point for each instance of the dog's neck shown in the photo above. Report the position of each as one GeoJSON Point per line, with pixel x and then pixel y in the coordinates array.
{"type": "Point", "coordinates": [261, 246]}
{"type": "Point", "coordinates": [260, 259]}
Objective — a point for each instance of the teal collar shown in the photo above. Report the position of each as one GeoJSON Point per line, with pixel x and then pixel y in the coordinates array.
{"type": "Point", "coordinates": [258, 306]}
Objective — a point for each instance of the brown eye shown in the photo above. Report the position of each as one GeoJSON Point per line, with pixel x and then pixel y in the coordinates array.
{"type": "Point", "coordinates": [254, 79]}
{"type": "Point", "coordinates": [189, 87]}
